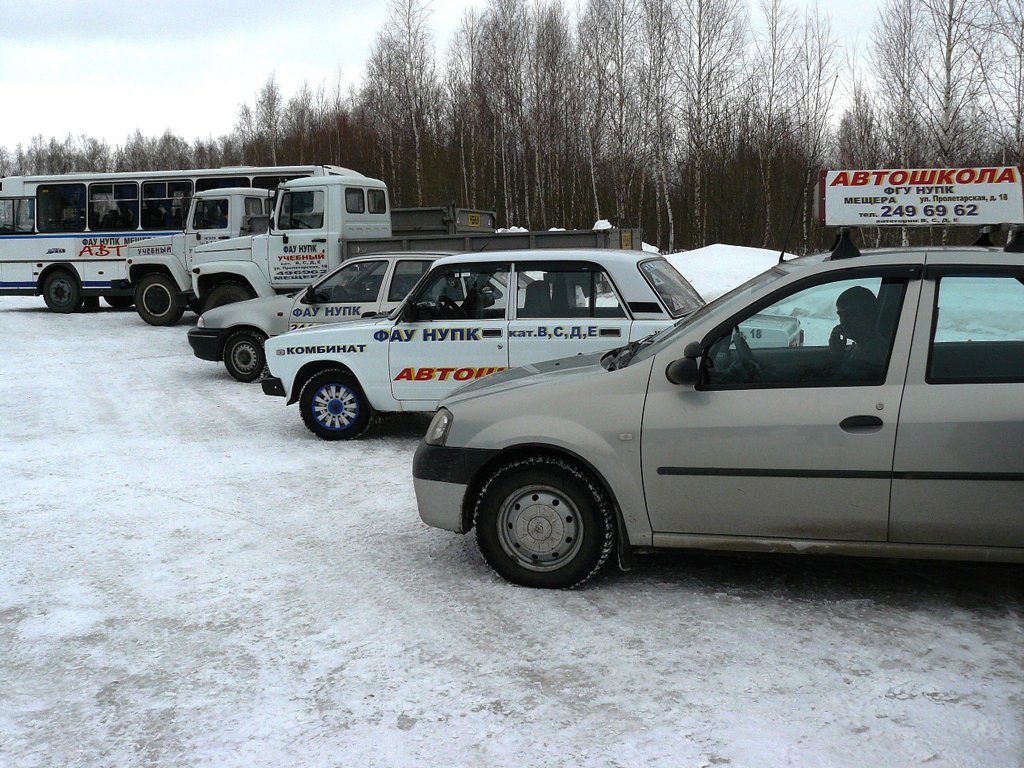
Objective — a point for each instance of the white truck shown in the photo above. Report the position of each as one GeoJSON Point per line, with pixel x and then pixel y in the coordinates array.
{"type": "Point", "coordinates": [321, 222]}
{"type": "Point", "coordinates": [159, 267]}
{"type": "Point", "coordinates": [361, 287]}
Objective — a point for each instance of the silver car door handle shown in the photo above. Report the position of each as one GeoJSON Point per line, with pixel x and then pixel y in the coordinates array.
{"type": "Point", "coordinates": [860, 424]}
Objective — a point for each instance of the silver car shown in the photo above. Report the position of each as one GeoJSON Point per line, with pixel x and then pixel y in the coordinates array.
{"type": "Point", "coordinates": [894, 428]}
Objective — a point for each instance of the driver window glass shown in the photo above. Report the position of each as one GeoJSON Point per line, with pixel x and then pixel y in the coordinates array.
{"type": "Point", "coordinates": [464, 293]}
{"type": "Point", "coordinates": [355, 283]}
{"type": "Point", "coordinates": [834, 334]}
{"type": "Point", "coordinates": [302, 210]}
{"type": "Point", "coordinates": [211, 213]}
{"type": "Point", "coordinates": [354, 202]}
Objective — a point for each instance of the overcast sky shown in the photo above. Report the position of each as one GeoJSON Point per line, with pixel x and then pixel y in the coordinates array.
{"type": "Point", "coordinates": [104, 68]}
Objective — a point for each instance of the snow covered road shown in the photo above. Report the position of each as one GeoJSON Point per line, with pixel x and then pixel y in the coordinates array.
{"type": "Point", "coordinates": [189, 577]}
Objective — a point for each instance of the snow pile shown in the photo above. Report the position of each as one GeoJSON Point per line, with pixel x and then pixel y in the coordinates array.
{"type": "Point", "coordinates": [512, 229]}
{"type": "Point", "coordinates": [648, 248]}
{"type": "Point", "coordinates": [602, 224]}
{"type": "Point", "coordinates": [717, 269]}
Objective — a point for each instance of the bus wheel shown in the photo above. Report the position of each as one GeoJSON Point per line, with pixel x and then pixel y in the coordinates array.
{"type": "Point", "coordinates": [226, 293]}
{"type": "Point", "coordinates": [119, 302]}
{"type": "Point", "coordinates": [61, 292]}
{"type": "Point", "coordinates": [243, 356]}
{"type": "Point", "coordinates": [154, 300]}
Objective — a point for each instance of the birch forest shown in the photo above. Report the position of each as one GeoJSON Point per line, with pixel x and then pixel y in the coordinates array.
{"type": "Point", "coordinates": [698, 121]}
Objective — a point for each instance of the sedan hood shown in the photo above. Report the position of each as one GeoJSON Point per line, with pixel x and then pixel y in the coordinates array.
{"type": "Point", "coordinates": [528, 375]}
{"type": "Point", "coordinates": [252, 311]}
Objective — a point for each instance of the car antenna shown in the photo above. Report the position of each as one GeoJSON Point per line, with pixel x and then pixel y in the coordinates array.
{"type": "Point", "coordinates": [807, 169]}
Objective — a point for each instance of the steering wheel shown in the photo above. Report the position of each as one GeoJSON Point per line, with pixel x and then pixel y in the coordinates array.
{"type": "Point", "coordinates": [746, 361]}
{"type": "Point", "coordinates": [448, 307]}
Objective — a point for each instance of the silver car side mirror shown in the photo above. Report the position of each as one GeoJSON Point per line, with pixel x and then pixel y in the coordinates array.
{"type": "Point", "coordinates": [686, 370]}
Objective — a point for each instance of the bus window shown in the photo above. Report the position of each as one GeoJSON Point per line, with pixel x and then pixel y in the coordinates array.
{"type": "Point", "coordinates": [272, 182]}
{"type": "Point", "coordinates": [114, 207]}
{"type": "Point", "coordinates": [220, 182]}
{"type": "Point", "coordinates": [164, 204]}
{"type": "Point", "coordinates": [61, 207]}
{"type": "Point", "coordinates": [17, 216]}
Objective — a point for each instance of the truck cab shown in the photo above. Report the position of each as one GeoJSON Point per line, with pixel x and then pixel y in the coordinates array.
{"type": "Point", "coordinates": [159, 268]}
{"type": "Point", "coordinates": [313, 218]}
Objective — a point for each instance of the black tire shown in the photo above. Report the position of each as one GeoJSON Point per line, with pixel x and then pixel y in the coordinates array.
{"type": "Point", "coordinates": [119, 302]}
{"type": "Point", "coordinates": [544, 522]}
{"type": "Point", "coordinates": [62, 292]}
{"type": "Point", "coordinates": [226, 293]}
{"type": "Point", "coordinates": [243, 356]}
{"type": "Point", "coordinates": [333, 406]}
{"type": "Point", "coordinates": [154, 300]}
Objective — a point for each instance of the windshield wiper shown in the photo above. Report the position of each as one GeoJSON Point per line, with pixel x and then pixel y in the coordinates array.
{"type": "Point", "coordinates": [624, 354]}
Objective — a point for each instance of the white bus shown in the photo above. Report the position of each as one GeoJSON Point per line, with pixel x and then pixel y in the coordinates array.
{"type": "Point", "coordinates": [64, 237]}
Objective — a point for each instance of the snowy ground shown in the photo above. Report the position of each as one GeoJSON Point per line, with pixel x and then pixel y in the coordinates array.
{"type": "Point", "coordinates": [188, 577]}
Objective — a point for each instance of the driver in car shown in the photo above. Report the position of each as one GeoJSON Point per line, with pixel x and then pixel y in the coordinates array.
{"type": "Point", "coordinates": [858, 350]}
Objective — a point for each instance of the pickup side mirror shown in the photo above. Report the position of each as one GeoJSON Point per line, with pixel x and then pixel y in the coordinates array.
{"type": "Point", "coordinates": [686, 369]}
{"type": "Point", "coordinates": [409, 312]}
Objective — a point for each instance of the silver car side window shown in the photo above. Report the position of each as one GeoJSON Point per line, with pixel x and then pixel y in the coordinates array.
{"type": "Point", "coordinates": [833, 334]}
{"type": "Point", "coordinates": [979, 330]}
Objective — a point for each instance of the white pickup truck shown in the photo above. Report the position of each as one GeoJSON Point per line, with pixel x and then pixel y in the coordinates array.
{"type": "Point", "coordinates": [476, 314]}
{"type": "Point", "coordinates": [361, 287]}
{"type": "Point", "coordinates": [159, 267]}
{"type": "Point", "coordinates": [321, 222]}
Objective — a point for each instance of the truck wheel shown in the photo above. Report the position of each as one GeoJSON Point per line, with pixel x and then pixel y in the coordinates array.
{"type": "Point", "coordinates": [154, 300]}
{"type": "Point", "coordinates": [119, 302]}
{"type": "Point", "coordinates": [544, 522]}
{"type": "Point", "coordinates": [61, 292]}
{"type": "Point", "coordinates": [243, 356]}
{"type": "Point", "coordinates": [333, 406]}
{"type": "Point", "coordinates": [226, 293]}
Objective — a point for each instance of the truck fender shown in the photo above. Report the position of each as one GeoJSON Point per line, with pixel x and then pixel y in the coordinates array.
{"type": "Point", "coordinates": [206, 276]}
{"type": "Point", "coordinates": [167, 263]}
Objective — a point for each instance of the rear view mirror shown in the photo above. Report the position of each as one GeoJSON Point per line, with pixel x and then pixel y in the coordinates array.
{"type": "Point", "coordinates": [686, 370]}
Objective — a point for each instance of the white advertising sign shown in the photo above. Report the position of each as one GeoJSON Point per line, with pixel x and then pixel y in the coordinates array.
{"type": "Point", "coordinates": [921, 197]}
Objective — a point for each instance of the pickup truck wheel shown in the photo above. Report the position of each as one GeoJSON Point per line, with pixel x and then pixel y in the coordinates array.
{"type": "Point", "coordinates": [544, 522]}
{"type": "Point", "coordinates": [154, 300]}
{"type": "Point", "coordinates": [61, 292]}
{"type": "Point", "coordinates": [333, 406]}
{"type": "Point", "coordinates": [243, 356]}
{"type": "Point", "coordinates": [119, 302]}
{"type": "Point", "coordinates": [226, 293]}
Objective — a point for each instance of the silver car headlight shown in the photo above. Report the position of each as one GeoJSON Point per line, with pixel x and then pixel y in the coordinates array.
{"type": "Point", "coordinates": [437, 433]}
{"type": "Point", "coordinates": [201, 323]}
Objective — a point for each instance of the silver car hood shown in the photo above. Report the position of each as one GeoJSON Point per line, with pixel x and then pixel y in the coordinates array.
{"type": "Point", "coordinates": [528, 375]}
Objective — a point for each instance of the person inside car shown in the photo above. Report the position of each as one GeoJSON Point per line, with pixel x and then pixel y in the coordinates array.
{"type": "Point", "coordinates": [858, 350]}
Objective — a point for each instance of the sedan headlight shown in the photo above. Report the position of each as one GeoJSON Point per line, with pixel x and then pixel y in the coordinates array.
{"type": "Point", "coordinates": [201, 323]}
{"type": "Point", "coordinates": [437, 433]}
